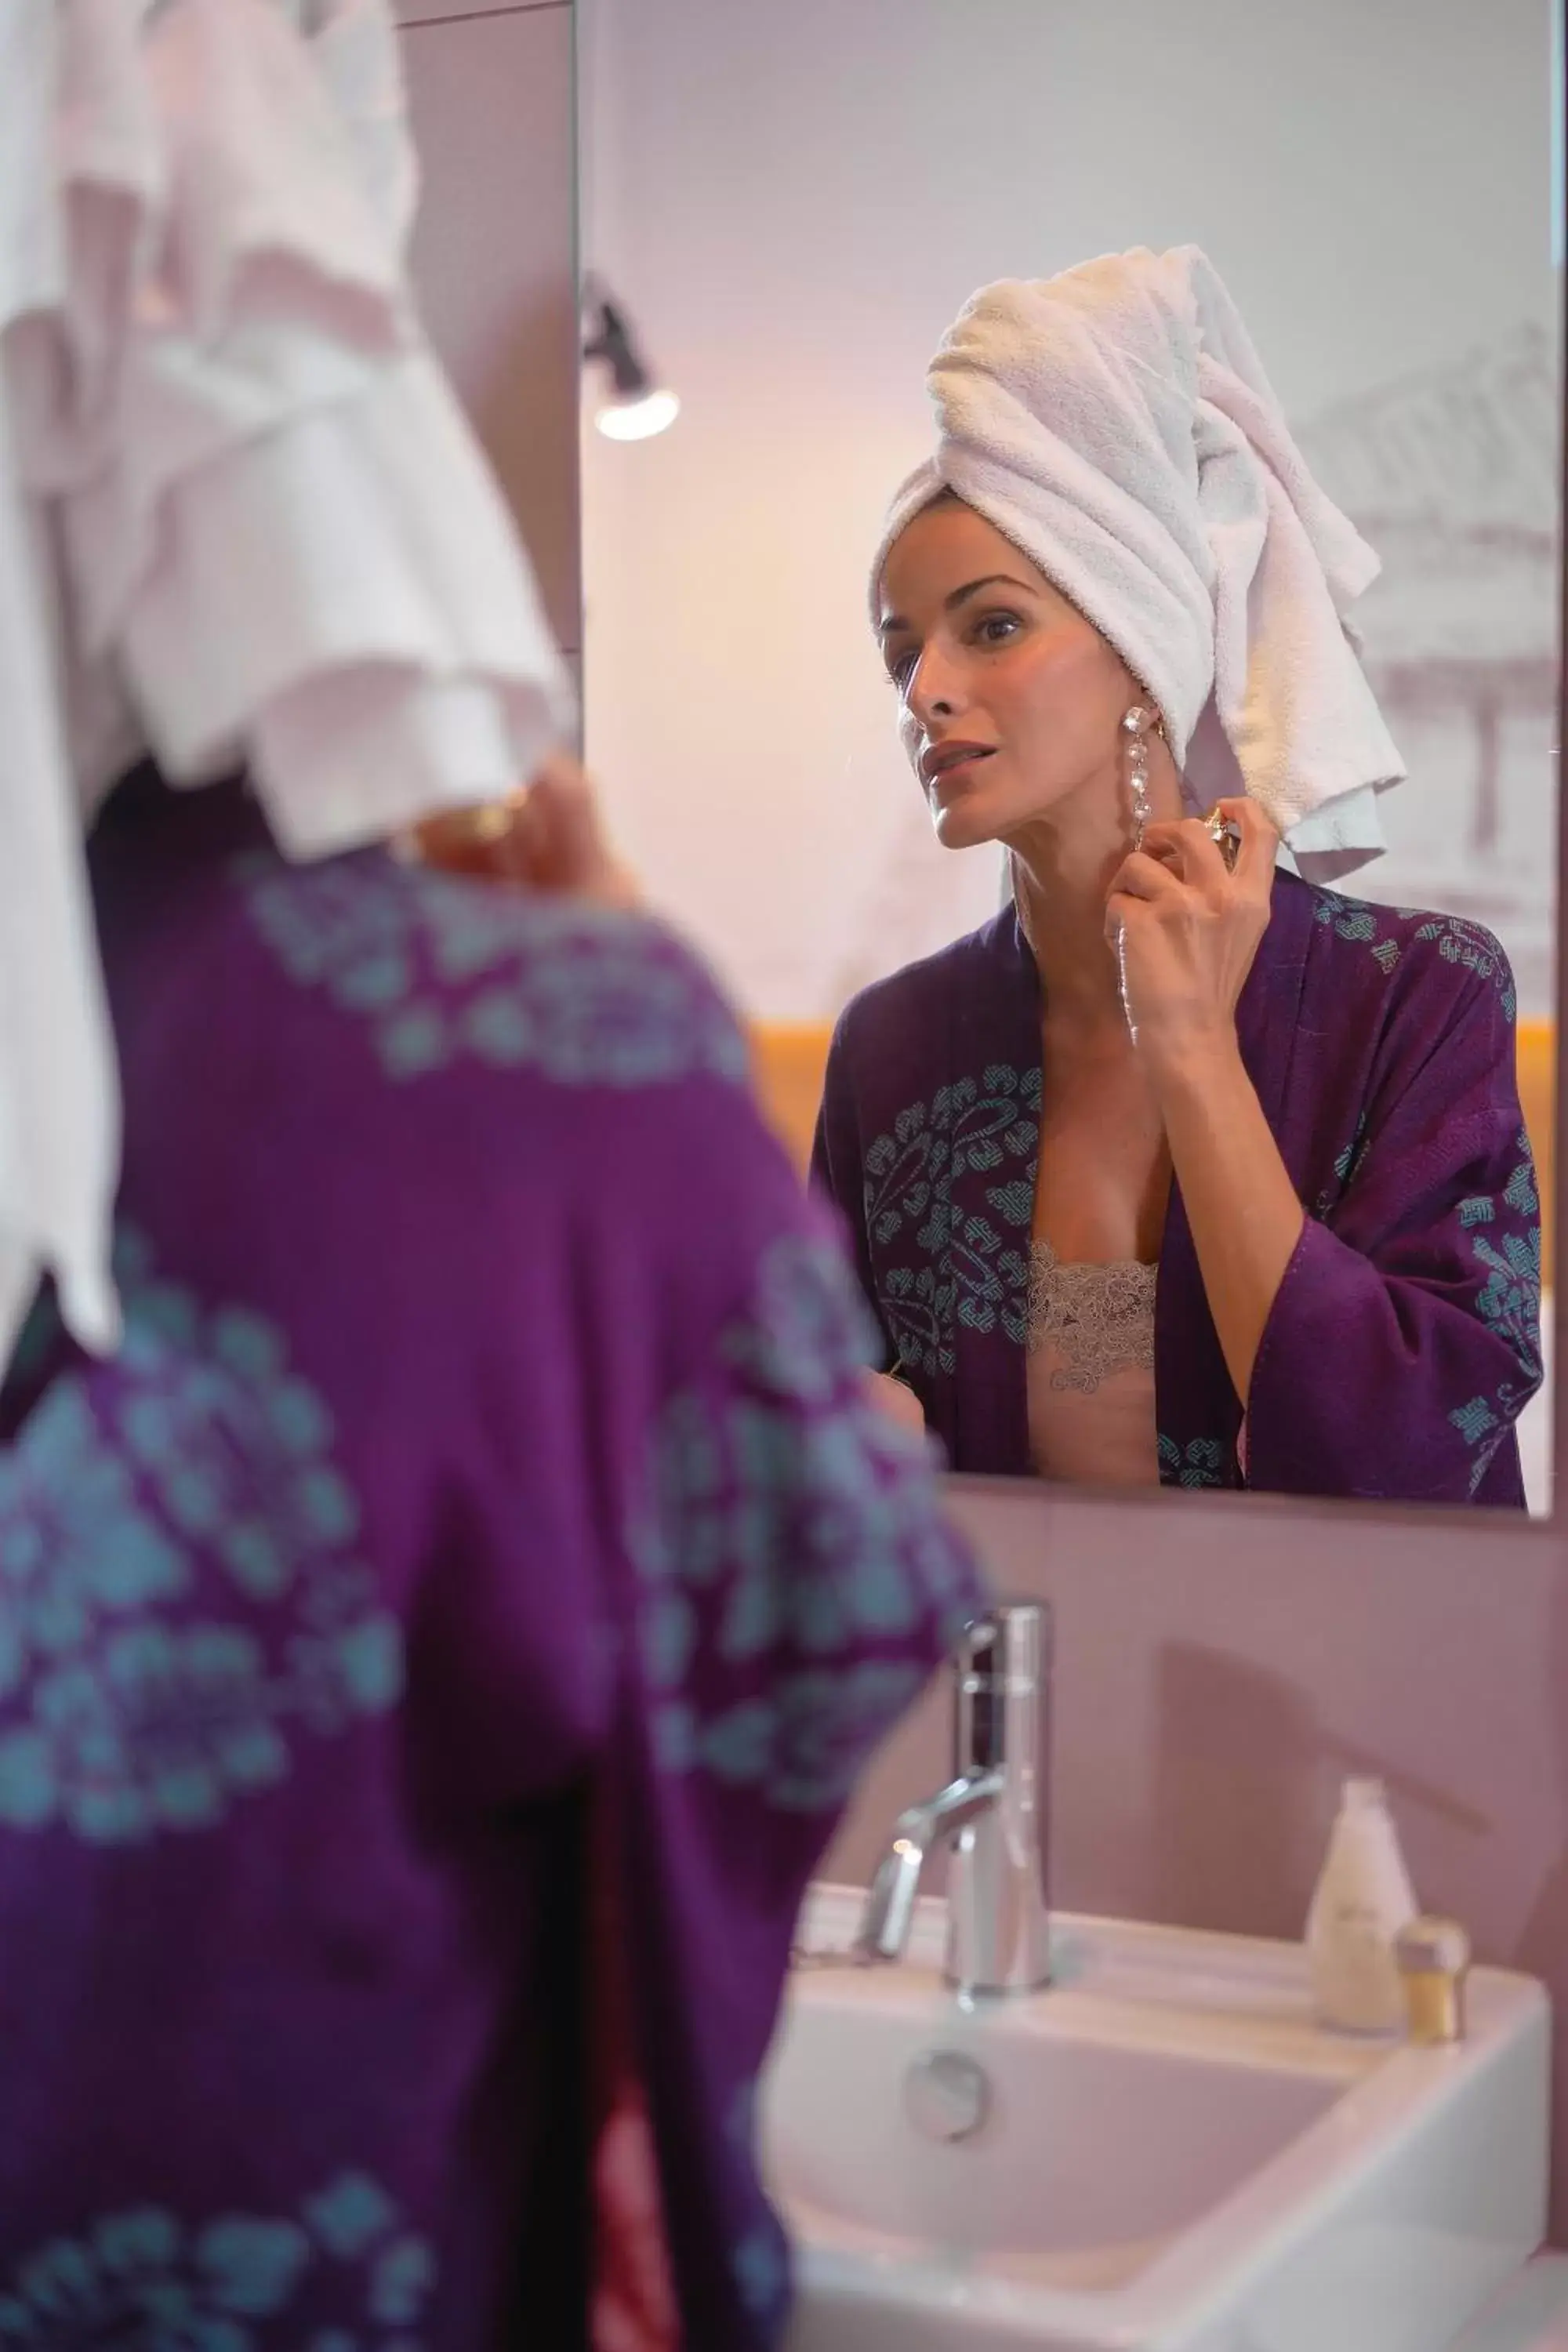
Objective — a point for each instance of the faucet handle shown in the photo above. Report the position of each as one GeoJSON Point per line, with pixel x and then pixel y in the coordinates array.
{"type": "Point", "coordinates": [1009, 1644]}
{"type": "Point", "coordinates": [1002, 1655]}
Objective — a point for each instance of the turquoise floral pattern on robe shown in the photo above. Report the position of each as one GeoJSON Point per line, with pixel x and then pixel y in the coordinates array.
{"type": "Point", "coordinates": [784, 1538]}
{"type": "Point", "coordinates": [144, 2279]}
{"type": "Point", "coordinates": [1509, 1302]}
{"type": "Point", "coordinates": [444, 971]}
{"type": "Point", "coordinates": [1457, 941]}
{"type": "Point", "coordinates": [181, 1595]}
{"type": "Point", "coordinates": [938, 1267]}
{"type": "Point", "coordinates": [1202, 1461]}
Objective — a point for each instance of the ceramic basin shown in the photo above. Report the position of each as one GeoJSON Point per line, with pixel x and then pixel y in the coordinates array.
{"type": "Point", "coordinates": [1171, 2155]}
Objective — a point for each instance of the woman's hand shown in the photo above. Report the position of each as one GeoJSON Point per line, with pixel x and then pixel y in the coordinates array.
{"type": "Point", "coordinates": [548, 836]}
{"type": "Point", "coordinates": [896, 1399]}
{"type": "Point", "coordinates": [1185, 930]}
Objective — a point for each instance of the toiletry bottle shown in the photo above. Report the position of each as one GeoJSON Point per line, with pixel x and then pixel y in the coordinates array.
{"type": "Point", "coordinates": [1364, 1900]}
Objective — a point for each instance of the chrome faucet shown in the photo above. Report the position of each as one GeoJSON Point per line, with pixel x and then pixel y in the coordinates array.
{"type": "Point", "coordinates": [996, 1809]}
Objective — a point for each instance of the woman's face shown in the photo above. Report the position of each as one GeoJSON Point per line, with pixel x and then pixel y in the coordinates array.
{"type": "Point", "coordinates": [1011, 701]}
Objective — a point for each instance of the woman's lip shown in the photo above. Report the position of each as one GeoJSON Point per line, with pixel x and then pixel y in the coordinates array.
{"type": "Point", "coordinates": [957, 767]}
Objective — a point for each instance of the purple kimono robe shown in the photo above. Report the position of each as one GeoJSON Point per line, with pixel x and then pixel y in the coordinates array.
{"type": "Point", "coordinates": [486, 1449]}
{"type": "Point", "coordinates": [1406, 1337]}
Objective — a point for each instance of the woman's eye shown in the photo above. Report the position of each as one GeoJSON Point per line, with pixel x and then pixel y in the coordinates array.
{"type": "Point", "coordinates": [998, 628]}
{"type": "Point", "coordinates": [901, 670]}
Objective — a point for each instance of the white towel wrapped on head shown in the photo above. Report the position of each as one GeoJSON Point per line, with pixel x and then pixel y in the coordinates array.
{"type": "Point", "coordinates": [1115, 424]}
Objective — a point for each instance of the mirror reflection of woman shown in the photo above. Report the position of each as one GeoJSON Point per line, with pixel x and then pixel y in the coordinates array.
{"type": "Point", "coordinates": [1184, 1168]}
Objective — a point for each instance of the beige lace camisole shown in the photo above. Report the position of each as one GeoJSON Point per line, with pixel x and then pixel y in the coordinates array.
{"type": "Point", "coordinates": [1092, 1370]}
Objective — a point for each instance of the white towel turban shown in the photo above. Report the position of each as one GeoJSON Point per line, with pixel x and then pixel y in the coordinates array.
{"type": "Point", "coordinates": [1115, 424]}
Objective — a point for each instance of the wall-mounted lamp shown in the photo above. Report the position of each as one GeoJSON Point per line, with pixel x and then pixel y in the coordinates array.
{"type": "Point", "coordinates": [637, 407]}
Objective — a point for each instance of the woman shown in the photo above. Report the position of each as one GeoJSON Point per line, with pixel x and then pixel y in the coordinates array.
{"type": "Point", "coordinates": [1183, 1168]}
{"type": "Point", "coordinates": [478, 1521]}
{"type": "Point", "coordinates": [449, 1575]}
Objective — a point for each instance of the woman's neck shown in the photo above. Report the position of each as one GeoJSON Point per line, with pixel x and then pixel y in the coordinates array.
{"type": "Point", "coordinates": [1063, 867]}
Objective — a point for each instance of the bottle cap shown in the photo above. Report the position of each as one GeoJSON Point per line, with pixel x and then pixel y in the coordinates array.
{"type": "Point", "coordinates": [1432, 1943]}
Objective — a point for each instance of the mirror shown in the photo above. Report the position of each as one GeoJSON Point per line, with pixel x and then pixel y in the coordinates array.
{"type": "Point", "coordinates": [792, 205]}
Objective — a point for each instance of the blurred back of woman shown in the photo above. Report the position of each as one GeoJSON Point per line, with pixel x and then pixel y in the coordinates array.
{"type": "Point", "coordinates": [449, 1574]}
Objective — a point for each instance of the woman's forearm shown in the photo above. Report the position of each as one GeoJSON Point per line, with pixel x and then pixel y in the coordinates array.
{"type": "Point", "coordinates": [1241, 1205]}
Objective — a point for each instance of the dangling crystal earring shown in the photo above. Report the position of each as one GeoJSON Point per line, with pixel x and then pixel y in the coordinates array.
{"type": "Point", "coordinates": [1137, 725]}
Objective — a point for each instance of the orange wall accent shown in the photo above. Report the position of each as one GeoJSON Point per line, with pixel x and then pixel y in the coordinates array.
{"type": "Point", "coordinates": [1538, 1096]}
{"type": "Point", "coordinates": [789, 1058]}
{"type": "Point", "coordinates": [791, 1054]}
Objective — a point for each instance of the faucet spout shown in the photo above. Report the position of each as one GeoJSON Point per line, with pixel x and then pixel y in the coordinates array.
{"type": "Point", "coordinates": [890, 1903]}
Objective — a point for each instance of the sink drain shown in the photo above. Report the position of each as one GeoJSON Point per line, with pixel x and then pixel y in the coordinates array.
{"type": "Point", "coordinates": [946, 2096]}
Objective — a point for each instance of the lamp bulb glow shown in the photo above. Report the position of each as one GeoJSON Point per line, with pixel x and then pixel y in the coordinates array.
{"type": "Point", "coordinates": [638, 420]}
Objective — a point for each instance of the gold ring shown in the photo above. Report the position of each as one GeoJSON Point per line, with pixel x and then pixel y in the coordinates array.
{"type": "Point", "coordinates": [1225, 835]}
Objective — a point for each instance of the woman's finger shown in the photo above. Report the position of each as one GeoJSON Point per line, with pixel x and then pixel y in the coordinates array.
{"type": "Point", "coordinates": [474, 842]}
{"type": "Point", "coordinates": [557, 832]}
{"type": "Point", "coordinates": [1143, 876]}
{"type": "Point", "coordinates": [559, 840]}
{"type": "Point", "coordinates": [546, 835]}
{"type": "Point", "coordinates": [1125, 909]}
{"type": "Point", "coordinates": [1188, 847]}
{"type": "Point", "coordinates": [1260, 845]}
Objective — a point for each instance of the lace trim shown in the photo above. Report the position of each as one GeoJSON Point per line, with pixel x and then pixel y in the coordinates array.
{"type": "Point", "coordinates": [1100, 1318]}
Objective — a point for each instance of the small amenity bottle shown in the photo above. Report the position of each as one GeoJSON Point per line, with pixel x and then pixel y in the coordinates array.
{"type": "Point", "coordinates": [1363, 1902]}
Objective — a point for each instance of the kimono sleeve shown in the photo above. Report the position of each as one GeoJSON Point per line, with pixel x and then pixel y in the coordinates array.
{"type": "Point", "coordinates": [799, 1580]}
{"type": "Point", "coordinates": [1405, 1337]}
{"type": "Point", "coordinates": [838, 1176]}
{"type": "Point", "coordinates": [798, 1584]}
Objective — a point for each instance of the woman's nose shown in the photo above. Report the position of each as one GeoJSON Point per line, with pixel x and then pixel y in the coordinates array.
{"type": "Point", "coordinates": [935, 690]}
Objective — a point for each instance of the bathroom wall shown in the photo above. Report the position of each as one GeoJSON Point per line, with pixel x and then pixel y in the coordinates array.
{"type": "Point", "coordinates": [1217, 1673]}
{"type": "Point", "coordinates": [794, 201]}
{"type": "Point", "coordinates": [491, 102]}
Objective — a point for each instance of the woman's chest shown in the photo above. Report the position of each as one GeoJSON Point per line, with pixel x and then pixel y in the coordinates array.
{"type": "Point", "coordinates": [1102, 1177]}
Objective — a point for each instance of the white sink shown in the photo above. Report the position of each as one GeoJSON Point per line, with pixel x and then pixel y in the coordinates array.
{"type": "Point", "coordinates": [1173, 2157]}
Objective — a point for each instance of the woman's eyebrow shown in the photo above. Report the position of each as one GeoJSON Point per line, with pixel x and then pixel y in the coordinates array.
{"type": "Point", "coordinates": [989, 580]}
{"type": "Point", "coordinates": [896, 621]}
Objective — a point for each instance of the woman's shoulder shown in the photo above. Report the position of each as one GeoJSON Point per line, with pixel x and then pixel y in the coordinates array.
{"type": "Point", "coordinates": [967, 967]}
{"type": "Point", "coordinates": [440, 972]}
{"type": "Point", "coordinates": [1392, 952]}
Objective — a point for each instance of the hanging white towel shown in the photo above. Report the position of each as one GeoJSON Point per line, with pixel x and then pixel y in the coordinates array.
{"type": "Point", "coordinates": [241, 515]}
